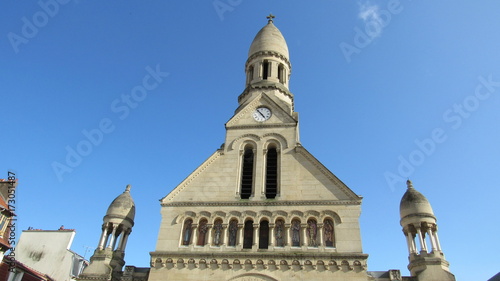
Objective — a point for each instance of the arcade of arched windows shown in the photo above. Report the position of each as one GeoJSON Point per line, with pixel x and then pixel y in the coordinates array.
{"type": "Point", "coordinates": [252, 230]}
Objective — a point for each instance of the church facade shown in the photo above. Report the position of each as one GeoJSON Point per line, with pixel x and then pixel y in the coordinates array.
{"type": "Point", "coordinates": [262, 207]}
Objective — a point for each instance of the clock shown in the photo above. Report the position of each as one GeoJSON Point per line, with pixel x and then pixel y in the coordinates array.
{"type": "Point", "coordinates": [261, 114]}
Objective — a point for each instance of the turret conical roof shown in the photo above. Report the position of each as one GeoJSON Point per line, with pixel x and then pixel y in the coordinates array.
{"type": "Point", "coordinates": [414, 203]}
{"type": "Point", "coordinates": [123, 207]}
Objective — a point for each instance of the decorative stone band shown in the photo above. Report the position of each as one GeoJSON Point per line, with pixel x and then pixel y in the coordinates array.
{"type": "Point", "coordinates": [263, 203]}
{"type": "Point", "coordinates": [235, 261]}
{"type": "Point", "coordinates": [420, 215]}
{"type": "Point", "coordinates": [269, 53]}
{"type": "Point", "coordinates": [267, 86]}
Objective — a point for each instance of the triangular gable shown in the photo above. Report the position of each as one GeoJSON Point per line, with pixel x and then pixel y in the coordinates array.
{"type": "Point", "coordinates": [243, 117]}
{"type": "Point", "coordinates": [328, 174]}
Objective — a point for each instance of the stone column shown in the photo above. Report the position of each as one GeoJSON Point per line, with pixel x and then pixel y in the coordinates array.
{"type": "Point", "coordinates": [208, 240]}
{"type": "Point", "coordinates": [431, 238]}
{"type": "Point", "coordinates": [303, 228]}
{"type": "Point", "coordinates": [111, 244]}
{"type": "Point", "coordinates": [225, 232]}
{"type": "Point", "coordinates": [194, 234]}
{"type": "Point", "coordinates": [423, 246]}
{"type": "Point", "coordinates": [104, 236]}
{"type": "Point", "coordinates": [319, 232]}
{"type": "Point", "coordinates": [273, 239]}
{"type": "Point", "coordinates": [256, 234]}
{"type": "Point", "coordinates": [239, 241]}
{"type": "Point", "coordinates": [123, 241]}
{"type": "Point", "coordinates": [438, 245]}
{"type": "Point", "coordinates": [410, 242]}
{"type": "Point", "coordinates": [288, 235]}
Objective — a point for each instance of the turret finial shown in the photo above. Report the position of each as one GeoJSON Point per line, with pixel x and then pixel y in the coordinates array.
{"type": "Point", "coordinates": [270, 18]}
{"type": "Point", "coordinates": [409, 184]}
{"type": "Point", "coordinates": [127, 189]}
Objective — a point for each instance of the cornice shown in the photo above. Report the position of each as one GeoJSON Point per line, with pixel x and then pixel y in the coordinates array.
{"type": "Point", "coordinates": [270, 86]}
{"type": "Point", "coordinates": [269, 53]}
{"type": "Point", "coordinates": [244, 202]}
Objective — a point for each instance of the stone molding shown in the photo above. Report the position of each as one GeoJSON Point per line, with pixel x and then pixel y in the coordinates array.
{"type": "Point", "coordinates": [248, 260]}
{"type": "Point", "coordinates": [246, 202]}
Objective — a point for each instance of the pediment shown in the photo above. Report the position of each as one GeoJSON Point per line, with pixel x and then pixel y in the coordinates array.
{"type": "Point", "coordinates": [243, 118]}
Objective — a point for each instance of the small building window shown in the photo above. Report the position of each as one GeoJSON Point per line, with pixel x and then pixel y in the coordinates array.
{"type": "Point", "coordinates": [250, 74]}
{"type": "Point", "coordinates": [248, 235]}
{"type": "Point", "coordinates": [271, 173]}
{"type": "Point", "coordinates": [247, 173]}
{"type": "Point", "coordinates": [264, 234]}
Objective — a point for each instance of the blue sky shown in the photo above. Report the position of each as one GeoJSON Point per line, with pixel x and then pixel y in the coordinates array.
{"type": "Point", "coordinates": [386, 90]}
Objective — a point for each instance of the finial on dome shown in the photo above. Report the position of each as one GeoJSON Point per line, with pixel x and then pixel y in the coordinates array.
{"type": "Point", "coordinates": [270, 18]}
{"type": "Point", "coordinates": [127, 189]}
{"type": "Point", "coordinates": [409, 184]}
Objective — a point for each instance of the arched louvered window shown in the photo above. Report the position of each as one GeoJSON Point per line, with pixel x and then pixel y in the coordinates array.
{"type": "Point", "coordinates": [247, 173]}
{"type": "Point", "coordinates": [271, 173]}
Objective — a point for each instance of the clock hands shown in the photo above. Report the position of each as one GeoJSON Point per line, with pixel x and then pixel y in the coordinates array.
{"type": "Point", "coordinates": [261, 114]}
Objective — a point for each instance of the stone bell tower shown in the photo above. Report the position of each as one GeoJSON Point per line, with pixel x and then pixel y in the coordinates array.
{"type": "Point", "coordinates": [107, 262]}
{"type": "Point", "coordinates": [261, 207]}
{"type": "Point", "coordinates": [427, 262]}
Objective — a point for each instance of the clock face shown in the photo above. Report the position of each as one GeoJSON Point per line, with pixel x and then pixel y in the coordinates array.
{"type": "Point", "coordinates": [261, 114]}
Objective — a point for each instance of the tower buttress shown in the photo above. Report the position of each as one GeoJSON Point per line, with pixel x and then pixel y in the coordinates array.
{"type": "Point", "coordinates": [426, 258]}
{"type": "Point", "coordinates": [108, 259]}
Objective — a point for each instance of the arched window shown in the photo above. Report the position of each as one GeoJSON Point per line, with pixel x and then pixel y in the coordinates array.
{"type": "Point", "coordinates": [187, 231]}
{"type": "Point", "coordinates": [295, 233]}
{"type": "Point", "coordinates": [279, 233]}
{"type": "Point", "coordinates": [247, 173]}
{"type": "Point", "coordinates": [271, 173]}
{"type": "Point", "coordinates": [263, 234]}
{"type": "Point", "coordinates": [233, 230]}
{"type": "Point", "coordinates": [218, 232]}
{"type": "Point", "coordinates": [329, 233]}
{"type": "Point", "coordinates": [266, 69]}
{"type": "Point", "coordinates": [312, 232]}
{"type": "Point", "coordinates": [202, 232]}
{"type": "Point", "coordinates": [248, 235]}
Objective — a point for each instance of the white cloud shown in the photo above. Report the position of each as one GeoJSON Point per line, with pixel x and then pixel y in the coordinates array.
{"type": "Point", "coordinates": [371, 16]}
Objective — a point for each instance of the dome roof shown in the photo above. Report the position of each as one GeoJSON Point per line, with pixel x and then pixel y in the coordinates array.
{"type": "Point", "coordinates": [414, 202]}
{"type": "Point", "coordinates": [122, 207]}
{"type": "Point", "coordinates": [269, 38]}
